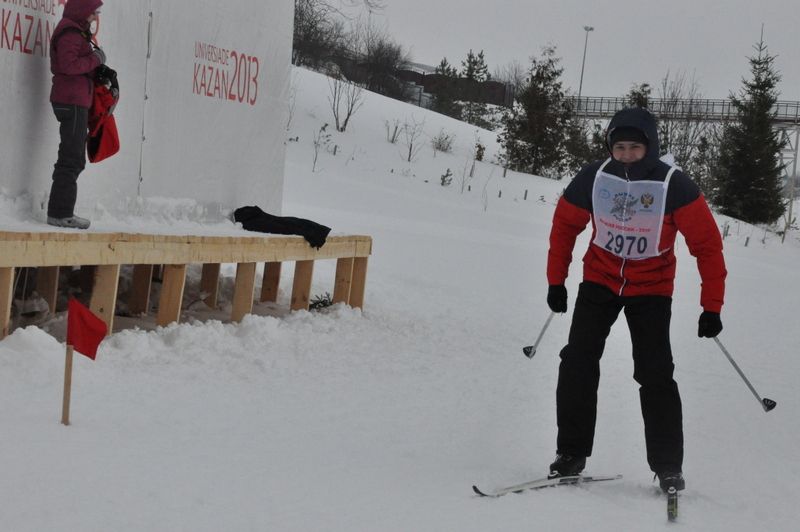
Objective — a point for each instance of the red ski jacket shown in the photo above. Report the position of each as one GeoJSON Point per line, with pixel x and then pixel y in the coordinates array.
{"type": "Point", "coordinates": [685, 211]}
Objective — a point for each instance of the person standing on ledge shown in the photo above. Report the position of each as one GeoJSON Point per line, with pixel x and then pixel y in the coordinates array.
{"type": "Point", "coordinates": [73, 60]}
{"type": "Point", "coordinates": [637, 205]}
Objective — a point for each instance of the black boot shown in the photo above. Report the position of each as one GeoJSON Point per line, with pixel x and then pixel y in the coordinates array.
{"type": "Point", "coordinates": [671, 479]}
{"type": "Point", "coordinates": [567, 465]}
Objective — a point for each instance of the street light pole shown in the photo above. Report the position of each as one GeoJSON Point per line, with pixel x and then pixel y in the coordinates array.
{"type": "Point", "coordinates": [587, 29]}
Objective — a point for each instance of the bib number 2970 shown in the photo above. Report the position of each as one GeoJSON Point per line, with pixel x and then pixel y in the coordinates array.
{"type": "Point", "coordinates": [624, 245]}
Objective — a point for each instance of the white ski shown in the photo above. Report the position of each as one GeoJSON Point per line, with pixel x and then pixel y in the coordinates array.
{"type": "Point", "coordinates": [545, 483]}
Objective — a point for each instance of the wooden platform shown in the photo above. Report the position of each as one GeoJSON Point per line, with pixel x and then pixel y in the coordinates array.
{"type": "Point", "coordinates": [108, 251]}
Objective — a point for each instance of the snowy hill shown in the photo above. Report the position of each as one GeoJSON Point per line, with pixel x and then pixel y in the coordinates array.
{"type": "Point", "coordinates": [382, 420]}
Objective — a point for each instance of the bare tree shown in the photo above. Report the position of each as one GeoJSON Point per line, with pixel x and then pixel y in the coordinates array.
{"type": "Point", "coordinates": [392, 130]}
{"type": "Point", "coordinates": [370, 5]}
{"type": "Point", "coordinates": [378, 59]}
{"type": "Point", "coordinates": [683, 123]}
{"type": "Point", "coordinates": [466, 176]}
{"type": "Point", "coordinates": [344, 94]}
{"type": "Point", "coordinates": [513, 73]}
{"type": "Point", "coordinates": [338, 5]}
{"type": "Point", "coordinates": [318, 32]}
{"type": "Point", "coordinates": [412, 133]}
{"type": "Point", "coordinates": [321, 139]}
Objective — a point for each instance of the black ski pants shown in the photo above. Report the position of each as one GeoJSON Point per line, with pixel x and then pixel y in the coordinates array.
{"type": "Point", "coordinates": [73, 128]}
{"type": "Point", "coordinates": [596, 310]}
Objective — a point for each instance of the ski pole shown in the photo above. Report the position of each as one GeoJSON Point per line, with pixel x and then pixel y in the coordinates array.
{"type": "Point", "coordinates": [530, 350]}
{"type": "Point", "coordinates": [766, 404]}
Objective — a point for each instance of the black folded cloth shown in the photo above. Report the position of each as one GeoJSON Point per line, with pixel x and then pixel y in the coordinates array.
{"type": "Point", "coordinates": [253, 218]}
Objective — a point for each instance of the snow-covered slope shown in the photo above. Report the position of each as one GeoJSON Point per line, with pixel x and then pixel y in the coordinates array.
{"type": "Point", "coordinates": [382, 420]}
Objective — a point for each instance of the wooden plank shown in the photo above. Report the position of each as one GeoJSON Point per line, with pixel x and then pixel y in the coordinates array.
{"type": "Point", "coordinates": [344, 279]}
{"type": "Point", "coordinates": [139, 301]}
{"type": "Point", "coordinates": [359, 282]}
{"type": "Point", "coordinates": [59, 249]}
{"type": "Point", "coordinates": [270, 281]}
{"type": "Point", "coordinates": [301, 288]}
{"type": "Point", "coordinates": [52, 250]}
{"type": "Point", "coordinates": [47, 285]}
{"type": "Point", "coordinates": [104, 293]}
{"type": "Point", "coordinates": [169, 304]}
{"type": "Point", "coordinates": [6, 296]}
{"type": "Point", "coordinates": [209, 283]}
{"type": "Point", "coordinates": [243, 291]}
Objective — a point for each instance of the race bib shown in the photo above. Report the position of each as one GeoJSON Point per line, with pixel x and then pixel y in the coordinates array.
{"type": "Point", "coordinates": [629, 215]}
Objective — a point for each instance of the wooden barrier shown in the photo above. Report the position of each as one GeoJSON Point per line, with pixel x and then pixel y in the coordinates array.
{"type": "Point", "coordinates": [106, 252]}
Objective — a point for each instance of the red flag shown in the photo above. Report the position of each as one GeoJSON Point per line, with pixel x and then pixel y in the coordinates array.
{"type": "Point", "coordinates": [85, 331]}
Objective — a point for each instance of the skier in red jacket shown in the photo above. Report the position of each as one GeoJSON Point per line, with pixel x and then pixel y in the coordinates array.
{"type": "Point", "coordinates": [637, 204]}
{"type": "Point", "coordinates": [73, 60]}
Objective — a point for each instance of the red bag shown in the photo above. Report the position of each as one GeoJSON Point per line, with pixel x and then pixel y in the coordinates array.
{"type": "Point", "coordinates": [103, 139]}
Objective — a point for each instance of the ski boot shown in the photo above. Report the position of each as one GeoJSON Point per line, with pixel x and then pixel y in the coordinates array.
{"type": "Point", "coordinates": [567, 465]}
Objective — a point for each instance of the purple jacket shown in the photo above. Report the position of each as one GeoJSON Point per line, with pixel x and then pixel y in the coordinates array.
{"type": "Point", "coordinates": [71, 57]}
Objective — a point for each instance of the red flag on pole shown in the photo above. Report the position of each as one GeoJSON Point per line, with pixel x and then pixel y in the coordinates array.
{"type": "Point", "coordinates": [85, 331]}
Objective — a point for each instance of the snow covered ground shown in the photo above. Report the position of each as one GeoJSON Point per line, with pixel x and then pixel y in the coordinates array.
{"type": "Point", "coordinates": [381, 421]}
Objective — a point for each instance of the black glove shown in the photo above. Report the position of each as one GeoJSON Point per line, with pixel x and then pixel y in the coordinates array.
{"type": "Point", "coordinates": [557, 298]}
{"type": "Point", "coordinates": [709, 325]}
{"type": "Point", "coordinates": [101, 55]}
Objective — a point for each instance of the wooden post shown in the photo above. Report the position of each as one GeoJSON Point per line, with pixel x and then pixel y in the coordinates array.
{"type": "Point", "coordinates": [243, 290]}
{"type": "Point", "coordinates": [301, 288]}
{"type": "Point", "coordinates": [169, 304]}
{"type": "Point", "coordinates": [270, 281]}
{"type": "Point", "coordinates": [359, 282]}
{"type": "Point", "coordinates": [344, 280]}
{"type": "Point", "coordinates": [6, 296]}
{"type": "Point", "coordinates": [139, 301]}
{"type": "Point", "coordinates": [209, 283]}
{"type": "Point", "coordinates": [47, 285]}
{"type": "Point", "coordinates": [104, 293]}
{"type": "Point", "coordinates": [67, 387]}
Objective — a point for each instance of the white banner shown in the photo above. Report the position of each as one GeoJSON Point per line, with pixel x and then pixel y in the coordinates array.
{"type": "Point", "coordinates": [203, 108]}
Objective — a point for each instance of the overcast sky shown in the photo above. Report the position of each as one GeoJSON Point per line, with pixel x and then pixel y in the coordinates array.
{"type": "Point", "coordinates": [633, 41]}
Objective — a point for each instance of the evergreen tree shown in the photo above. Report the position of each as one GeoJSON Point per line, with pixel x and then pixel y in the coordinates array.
{"type": "Point", "coordinates": [474, 67]}
{"type": "Point", "coordinates": [536, 128]}
{"type": "Point", "coordinates": [585, 142]}
{"type": "Point", "coordinates": [446, 69]}
{"type": "Point", "coordinates": [639, 95]}
{"type": "Point", "coordinates": [446, 90]}
{"type": "Point", "coordinates": [474, 72]}
{"type": "Point", "coordinates": [748, 176]}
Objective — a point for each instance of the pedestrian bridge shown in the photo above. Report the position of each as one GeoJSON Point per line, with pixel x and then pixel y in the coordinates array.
{"type": "Point", "coordinates": [786, 113]}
